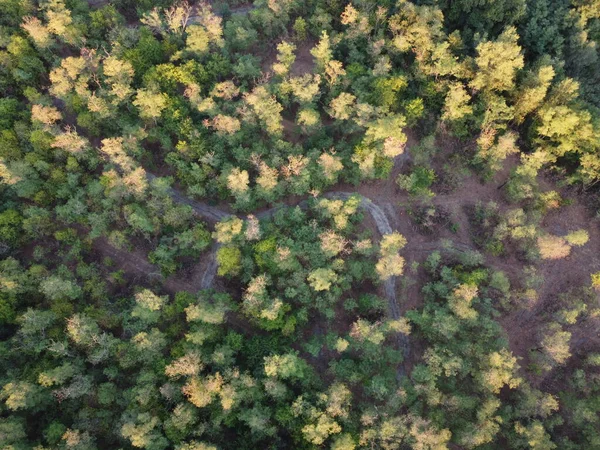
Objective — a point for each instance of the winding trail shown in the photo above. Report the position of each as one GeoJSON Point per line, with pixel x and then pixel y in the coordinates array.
{"type": "Point", "coordinates": [213, 214]}
{"type": "Point", "coordinates": [389, 286]}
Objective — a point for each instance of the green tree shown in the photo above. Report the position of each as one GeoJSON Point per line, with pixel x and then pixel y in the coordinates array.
{"type": "Point", "coordinates": [229, 260]}
{"type": "Point", "coordinates": [322, 279]}
{"type": "Point", "coordinates": [21, 395]}
{"type": "Point", "coordinates": [486, 16]}
{"type": "Point", "coordinates": [148, 306]}
{"type": "Point", "coordinates": [56, 288]}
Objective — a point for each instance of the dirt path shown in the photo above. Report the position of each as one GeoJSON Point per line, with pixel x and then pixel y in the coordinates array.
{"type": "Point", "coordinates": [387, 207]}
{"type": "Point", "coordinates": [203, 275]}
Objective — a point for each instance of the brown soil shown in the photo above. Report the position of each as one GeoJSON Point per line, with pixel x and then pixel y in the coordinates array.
{"type": "Point", "coordinates": [520, 326]}
{"type": "Point", "coordinates": [559, 275]}
{"type": "Point", "coordinates": [304, 62]}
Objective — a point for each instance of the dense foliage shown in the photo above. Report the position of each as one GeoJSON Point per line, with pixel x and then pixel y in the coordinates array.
{"type": "Point", "coordinates": [178, 268]}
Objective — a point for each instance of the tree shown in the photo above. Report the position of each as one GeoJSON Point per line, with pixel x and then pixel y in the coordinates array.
{"type": "Point", "coordinates": [229, 260]}
{"type": "Point", "coordinates": [47, 115]}
{"type": "Point", "coordinates": [341, 107]}
{"type": "Point", "coordinates": [541, 28]}
{"type": "Point", "coordinates": [390, 263]}
{"type": "Point", "coordinates": [339, 211]}
{"type": "Point", "coordinates": [119, 76]}
{"type": "Point", "coordinates": [115, 149]}
{"type": "Point", "coordinates": [227, 231]}
{"type": "Point", "coordinates": [259, 304]}
{"type": "Point", "coordinates": [343, 442]}
{"type": "Point", "coordinates": [555, 344]}
{"type": "Point", "coordinates": [12, 431]}
{"type": "Point", "coordinates": [288, 366]}
{"type": "Point", "coordinates": [420, 29]}
{"type": "Point", "coordinates": [535, 435]}
{"type": "Point", "coordinates": [211, 23]}
{"type": "Point", "coordinates": [188, 365]}
{"type": "Point", "coordinates": [322, 279]}
{"type": "Point", "coordinates": [460, 302]}
{"type": "Point", "coordinates": [78, 440]}
{"type": "Point", "coordinates": [71, 142]}
{"type": "Point", "coordinates": [238, 181]}
{"type": "Point", "coordinates": [142, 430]}
{"type": "Point", "coordinates": [324, 426]}
{"type": "Point", "coordinates": [304, 89]}
{"type": "Point", "coordinates": [150, 103]}
{"type": "Point", "coordinates": [532, 91]}
{"type": "Point", "coordinates": [202, 391]}
{"type": "Point", "coordinates": [498, 62]}
{"type": "Point", "coordinates": [103, 21]}
{"type": "Point", "coordinates": [38, 32]}
{"type": "Point", "coordinates": [331, 165]}
{"type": "Point", "coordinates": [388, 130]}
{"type": "Point", "coordinates": [60, 21]}
{"type": "Point", "coordinates": [56, 288]}
{"type": "Point", "coordinates": [225, 124]}
{"type": "Point", "coordinates": [148, 306]}
{"type": "Point", "coordinates": [484, 17]}
{"type": "Point", "coordinates": [82, 330]}
{"type": "Point", "coordinates": [21, 395]}
{"type": "Point", "coordinates": [578, 238]}
{"type": "Point", "coordinates": [197, 40]}
{"type": "Point", "coordinates": [493, 151]}
{"type": "Point", "coordinates": [266, 108]}
{"type": "Point", "coordinates": [285, 58]}
{"type": "Point", "coordinates": [309, 119]}
{"type": "Point", "coordinates": [334, 71]}
{"type": "Point", "coordinates": [212, 312]}
{"type": "Point", "coordinates": [596, 280]}
{"type": "Point", "coordinates": [322, 52]}
{"type": "Point", "coordinates": [501, 370]}
{"type": "Point", "coordinates": [195, 446]}
{"type": "Point", "coordinates": [456, 105]}
{"type": "Point", "coordinates": [10, 226]}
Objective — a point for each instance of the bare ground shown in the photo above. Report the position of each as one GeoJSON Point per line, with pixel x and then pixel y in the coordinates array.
{"type": "Point", "coordinates": [559, 275]}
{"type": "Point", "coordinates": [520, 326]}
{"type": "Point", "coordinates": [304, 62]}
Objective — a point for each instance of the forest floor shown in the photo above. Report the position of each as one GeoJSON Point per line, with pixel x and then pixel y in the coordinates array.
{"type": "Point", "coordinates": [521, 325]}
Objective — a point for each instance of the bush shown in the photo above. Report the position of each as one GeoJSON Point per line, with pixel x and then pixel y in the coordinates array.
{"type": "Point", "coordinates": [418, 182]}
{"type": "Point", "coordinates": [596, 280]}
{"type": "Point", "coordinates": [10, 226]}
{"type": "Point", "coordinates": [577, 238]}
{"type": "Point", "coordinates": [553, 247]}
{"type": "Point", "coordinates": [229, 260]}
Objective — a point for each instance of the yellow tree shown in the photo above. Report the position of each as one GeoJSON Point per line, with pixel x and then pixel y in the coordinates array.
{"type": "Point", "coordinates": [497, 63]}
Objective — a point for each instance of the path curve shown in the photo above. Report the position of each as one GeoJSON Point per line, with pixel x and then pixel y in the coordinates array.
{"type": "Point", "coordinates": [213, 215]}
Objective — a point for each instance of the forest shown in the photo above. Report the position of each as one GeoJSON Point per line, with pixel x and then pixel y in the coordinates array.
{"type": "Point", "coordinates": [300, 224]}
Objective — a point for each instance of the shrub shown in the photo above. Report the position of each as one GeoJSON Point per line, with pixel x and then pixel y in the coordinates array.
{"type": "Point", "coordinates": [418, 182]}
{"type": "Point", "coordinates": [577, 238]}
{"type": "Point", "coordinates": [229, 260]}
{"type": "Point", "coordinates": [553, 247]}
